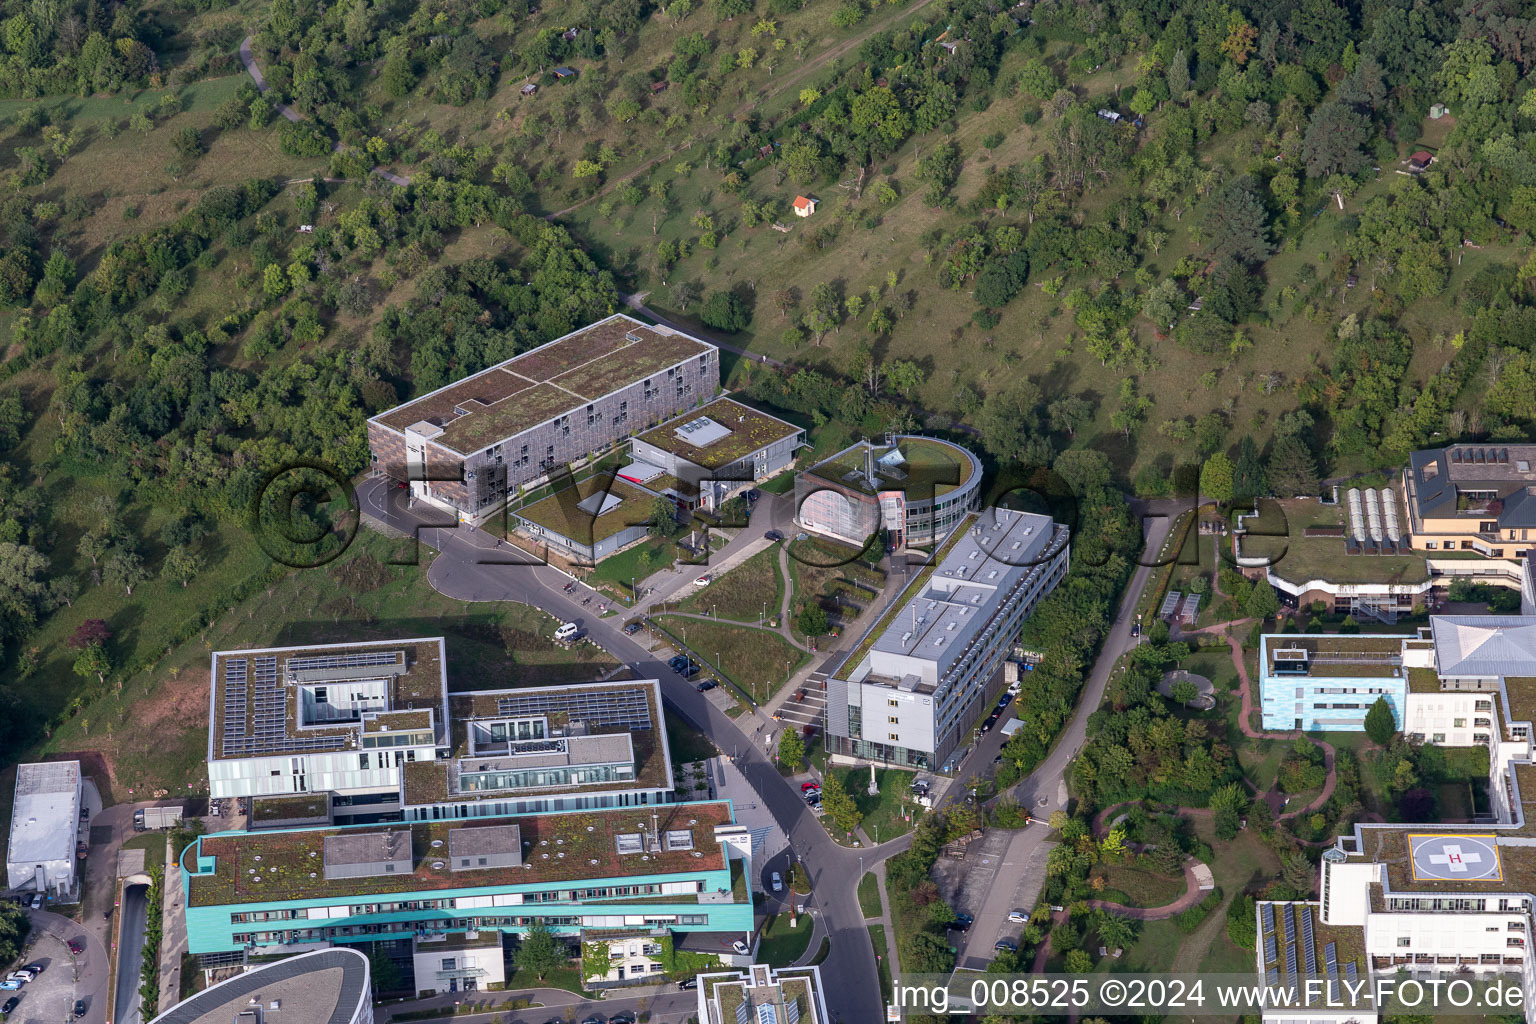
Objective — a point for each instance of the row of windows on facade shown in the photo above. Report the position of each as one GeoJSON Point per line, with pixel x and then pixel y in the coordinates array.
{"type": "Point", "coordinates": [1457, 905]}
{"type": "Point", "coordinates": [490, 809]}
{"type": "Point", "coordinates": [543, 896]}
{"type": "Point", "coordinates": [467, 924]}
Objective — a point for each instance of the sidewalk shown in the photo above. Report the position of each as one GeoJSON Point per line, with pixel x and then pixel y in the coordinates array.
{"type": "Point", "coordinates": [173, 939]}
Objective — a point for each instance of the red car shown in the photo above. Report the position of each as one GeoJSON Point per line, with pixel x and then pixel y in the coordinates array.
{"type": "Point", "coordinates": [806, 787]}
{"type": "Point", "coordinates": [77, 946]}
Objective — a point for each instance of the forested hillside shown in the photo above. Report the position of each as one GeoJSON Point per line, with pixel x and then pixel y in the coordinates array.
{"type": "Point", "coordinates": [1248, 256]}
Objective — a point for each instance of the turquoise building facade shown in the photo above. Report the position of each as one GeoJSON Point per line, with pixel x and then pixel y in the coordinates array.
{"type": "Point", "coordinates": [684, 869]}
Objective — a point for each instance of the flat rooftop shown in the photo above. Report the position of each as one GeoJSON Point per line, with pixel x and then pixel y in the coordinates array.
{"type": "Point", "coordinates": [281, 866]}
{"type": "Point", "coordinates": [574, 514]}
{"type": "Point", "coordinates": [46, 813]}
{"type": "Point", "coordinates": [1337, 655]}
{"type": "Point", "coordinates": [949, 604]}
{"type": "Point", "coordinates": [1279, 534]}
{"type": "Point", "coordinates": [1294, 943]}
{"type": "Point", "coordinates": [605, 716]}
{"type": "Point", "coordinates": [324, 987]}
{"type": "Point", "coordinates": [718, 434]}
{"type": "Point", "coordinates": [921, 466]}
{"type": "Point", "coordinates": [552, 380]}
{"type": "Point", "coordinates": [256, 696]}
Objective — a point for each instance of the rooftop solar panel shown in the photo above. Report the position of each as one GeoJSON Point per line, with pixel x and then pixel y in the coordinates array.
{"type": "Point", "coordinates": [1349, 970]}
{"type": "Point", "coordinates": [1272, 975]}
{"type": "Point", "coordinates": [1270, 949]}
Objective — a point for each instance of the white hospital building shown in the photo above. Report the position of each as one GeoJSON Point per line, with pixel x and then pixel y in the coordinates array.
{"type": "Point", "coordinates": [1432, 900]}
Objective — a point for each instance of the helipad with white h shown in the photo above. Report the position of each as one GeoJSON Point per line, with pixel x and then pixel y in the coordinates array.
{"type": "Point", "coordinates": [1446, 857]}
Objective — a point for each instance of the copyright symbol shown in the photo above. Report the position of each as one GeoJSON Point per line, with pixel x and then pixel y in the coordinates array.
{"type": "Point", "coordinates": [1112, 992]}
{"type": "Point", "coordinates": [303, 514]}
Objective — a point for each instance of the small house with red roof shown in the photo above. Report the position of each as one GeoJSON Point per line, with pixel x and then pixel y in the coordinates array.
{"type": "Point", "coordinates": [805, 206]}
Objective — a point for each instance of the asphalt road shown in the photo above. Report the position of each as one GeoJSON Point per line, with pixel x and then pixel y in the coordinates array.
{"type": "Point", "coordinates": [1044, 789]}
{"type": "Point", "coordinates": [473, 568]}
{"type": "Point", "coordinates": [129, 955]}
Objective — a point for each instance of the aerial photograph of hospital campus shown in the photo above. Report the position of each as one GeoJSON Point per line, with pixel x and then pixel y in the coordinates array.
{"type": "Point", "coordinates": [735, 511]}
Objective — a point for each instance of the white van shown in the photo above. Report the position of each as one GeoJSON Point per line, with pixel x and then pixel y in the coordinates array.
{"type": "Point", "coordinates": [568, 632]}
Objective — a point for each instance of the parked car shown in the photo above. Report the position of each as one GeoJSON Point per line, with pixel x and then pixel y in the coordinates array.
{"type": "Point", "coordinates": [11, 984]}
{"type": "Point", "coordinates": [1018, 915]}
{"type": "Point", "coordinates": [594, 1019]}
{"type": "Point", "coordinates": [1006, 946]}
{"type": "Point", "coordinates": [79, 1008]}
{"type": "Point", "coordinates": [631, 629]}
{"type": "Point", "coordinates": [813, 798]}
{"type": "Point", "coordinates": [36, 968]}
{"type": "Point", "coordinates": [741, 947]}
{"type": "Point", "coordinates": [690, 670]}
{"type": "Point", "coordinates": [677, 663]}
{"type": "Point", "coordinates": [773, 535]}
{"type": "Point", "coordinates": [707, 685]}
{"type": "Point", "coordinates": [10, 1004]}
{"type": "Point", "coordinates": [1004, 701]}
{"type": "Point", "coordinates": [800, 695]}
{"type": "Point", "coordinates": [688, 983]}
{"type": "Point", "coordinates": [702, 581]}
{"type": "Point", "coordinates": [23, 974]}
{"type": "Point", "coordinates": [621, 1018]}
{"type": "Point", "coordinates": [37, 901]}
{"type": "Point", "coordinates": [76, 946]}
{"type": "Point", "coordinates": [962, 922]}
{"type": "Point", "coordinates": [806, 787]}
{"type": "Point", "coordinates": [776, 882]}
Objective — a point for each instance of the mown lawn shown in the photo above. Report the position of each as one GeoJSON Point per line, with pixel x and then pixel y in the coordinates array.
{"type": "Point", "coordinates": [744, 594]}
{"type": "Point", "coordinates": [869, 895]}
{"type": "Point", "coordinates": [782, 945]}
{"type": "Point", "coordinates": [882, 813]}
{"type": "Point", "coordinates": [757, 660]}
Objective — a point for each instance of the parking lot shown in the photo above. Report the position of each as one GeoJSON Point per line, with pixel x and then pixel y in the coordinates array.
{"type": "Point", "coordinates": [51, 998]}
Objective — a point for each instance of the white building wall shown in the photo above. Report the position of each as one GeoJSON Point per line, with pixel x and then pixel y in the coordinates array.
{"type": "Point", "coordinates": [1459, 934]}
{"type": "Point", "coordinates": [434, 971]}
{"type": "Point", "coordinates": [1448, 718]}
{"type": "Point", "coordinates": [1346, 898]}
{"type": "Point", "coordinates": [337, 772]}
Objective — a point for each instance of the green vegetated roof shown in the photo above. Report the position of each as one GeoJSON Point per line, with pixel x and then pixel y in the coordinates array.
{"type": "Point", "coordinates": [929, 463]}
{"type": "Point", "coordinates": [1375, 653]}
{"type": "Point", "coordinates": [288, 859]}
{"type": "Point", "coordinates": [1299, 558]}
{"type": "Point", "coordinates": [527, 408]}
{"type": "Point", "coordinates": [561, 513]}
{"type": "Point", "coordinates": [1521, 691]}
{"type": "Point", "coordinates": [557, 378]}
{"type": "Point", "coordinates": [1424, 680]}
{"type": "Point", "coordinates": [749, 429]}
{"type": "Point", "coordinates": [283, 808]}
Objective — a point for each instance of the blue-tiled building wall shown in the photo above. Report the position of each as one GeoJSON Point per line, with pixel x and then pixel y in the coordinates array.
{"type": "Point", "coordinates": [1283, 699]}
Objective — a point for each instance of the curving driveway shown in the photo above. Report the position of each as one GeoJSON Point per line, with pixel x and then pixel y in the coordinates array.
{"type": "Point", "coordinates": [470, 565]}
